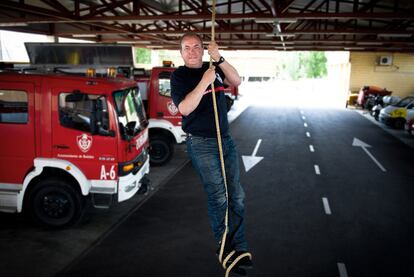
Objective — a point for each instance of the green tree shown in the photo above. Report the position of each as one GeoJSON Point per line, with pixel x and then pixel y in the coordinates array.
{"type": "Point", "coordinates": [288, 66]}
{"type": "Point", "coordinates": [313, 63]}
{"type": "Point", "coordinates": [142, 55]}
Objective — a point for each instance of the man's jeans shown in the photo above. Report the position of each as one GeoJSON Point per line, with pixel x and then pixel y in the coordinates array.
{"type": "Point", "coordinates": [205, 157]}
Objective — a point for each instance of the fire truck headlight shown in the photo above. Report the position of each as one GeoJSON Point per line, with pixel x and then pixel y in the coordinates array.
{"type": "Point", "coordinates": [128, 167]}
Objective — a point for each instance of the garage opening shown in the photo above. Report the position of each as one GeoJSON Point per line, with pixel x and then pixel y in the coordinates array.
{"type": "Point", "coordinates": [281, 78]}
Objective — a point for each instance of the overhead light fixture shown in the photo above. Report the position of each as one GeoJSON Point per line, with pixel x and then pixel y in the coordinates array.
{"type": "Point", "coordinates": [394, 35]}
{"type": "Point", "coordinates": [13, 24]}
{"type": "Point", "coordinates": [134, 42]}
{"type": "Point", "coordinates": [141, 42]}
{"type": "Point", "coordinates": [288, 20]}
{"type": "Point", "coordinates": [367, 43]}
{"type": "Point", "coordinates": [84, 35]}
{"type": "Point", "coordinates": [280, 35]}
{"type": "Point", "coordinates": [276, 20]}
{"type": "Point", "coordinates": [155, 46]}
{"type": "Point", "coordinates": [277, 32]}
{"type": "Point", "coordinates": [277, 29]}
{"type": "Point", "coordinates": [282, 42]}
{"type": "Point", "coordinates": [283, 48]}
{"type": "Point", "coordinates": [173, 34]}
{"type": "Point", "coordinates": [354, 48]}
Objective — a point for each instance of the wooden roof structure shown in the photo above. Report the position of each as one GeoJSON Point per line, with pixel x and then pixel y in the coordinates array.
{"type": "Point", "coordinates": [354, 25]}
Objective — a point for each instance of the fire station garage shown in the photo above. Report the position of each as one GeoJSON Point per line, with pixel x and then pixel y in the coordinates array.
{"type": "Point", "coordinates": [96, 174]}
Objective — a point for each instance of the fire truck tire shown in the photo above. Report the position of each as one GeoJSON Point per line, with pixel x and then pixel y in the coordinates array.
{"type": "Point", "coordinates": [55, 203]}
{"type": "Point", "coordinates": [161, 150]}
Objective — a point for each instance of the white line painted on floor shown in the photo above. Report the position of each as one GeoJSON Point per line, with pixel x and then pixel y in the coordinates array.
{"type": "Point", "coordinates": [342, 270]}
{"type": "Point", "coordinates": [364, 146]}
{"type": "Point", "coordinates": [251, 161]}
{"type": "Point", "coordinates": [303, 117]}
{"type": "Point", "coordinates": [311, 148]}
{"type": "Point", "coordinates": [305, 124]}
{"type": "Point", "coordinates": [308, 134]}
{"type": "Point", "coordinates": [317, 171]}
{"type": "Point", "coordinates": [326, 205]}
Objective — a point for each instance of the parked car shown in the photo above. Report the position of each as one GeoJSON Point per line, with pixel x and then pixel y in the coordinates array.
{"type": "Point", "coordinates": [397, 115]}
{"type": "Point", "coordinates": [409, 126]}
{"type": "Point", "coordinates": [382, 103]}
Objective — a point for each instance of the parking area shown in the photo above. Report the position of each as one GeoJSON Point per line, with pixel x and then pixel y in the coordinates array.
{"type": "Point", "coordinates": [317, 205]}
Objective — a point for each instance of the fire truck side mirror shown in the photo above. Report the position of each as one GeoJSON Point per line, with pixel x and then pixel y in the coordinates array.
{"type": "Point", "coordinates": [130, 128]}
{"type": "Point", "coordinates": [97, 118]}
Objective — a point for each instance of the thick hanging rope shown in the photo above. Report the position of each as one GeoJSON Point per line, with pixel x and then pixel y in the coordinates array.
{"type": "Point", "coordinates": [220, 146]}
{"type": "Point", "coordinates": [223, 169]}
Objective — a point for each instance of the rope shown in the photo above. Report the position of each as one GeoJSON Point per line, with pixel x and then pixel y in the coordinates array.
{"type": "Point", "coordinates": [223, 169]}
{"type": "Point", "coordinates": [220, 146]}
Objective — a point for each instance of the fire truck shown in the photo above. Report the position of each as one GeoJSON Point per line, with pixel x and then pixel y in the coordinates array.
{"type": "Point", "coordinates": [164, 118]}
{"type": "Point", "coordinates": [67, 140]}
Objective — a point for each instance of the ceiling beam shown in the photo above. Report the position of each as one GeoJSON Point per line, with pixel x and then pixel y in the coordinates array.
{"type": "Point", "coordinates": [58, 18]}
{"type": "Point", "coordinates": [237, 31]}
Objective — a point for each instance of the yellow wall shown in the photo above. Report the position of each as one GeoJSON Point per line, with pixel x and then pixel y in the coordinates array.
{"type": "Point", "coordinates": [399, 77]}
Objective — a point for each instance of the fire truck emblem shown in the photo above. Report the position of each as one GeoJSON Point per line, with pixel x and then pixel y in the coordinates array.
{"type": "Point", "coordinates": [84, 142]}
{"type": "Point", "coordinates": [172, 108]}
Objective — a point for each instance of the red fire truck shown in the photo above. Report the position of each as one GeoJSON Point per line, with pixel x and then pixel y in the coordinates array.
{"type": "Point", "coordinates": [164, 118]}
{"type": "Point", "coordinates": [66, 139]}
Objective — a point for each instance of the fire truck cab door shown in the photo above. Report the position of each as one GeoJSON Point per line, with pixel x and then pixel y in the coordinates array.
{"type": "Point", "coordinates": [164, 106]}
{"type": "Point", "coordinates": [17, 125]}
{"type": "Point", "coordinates": [73, 140]}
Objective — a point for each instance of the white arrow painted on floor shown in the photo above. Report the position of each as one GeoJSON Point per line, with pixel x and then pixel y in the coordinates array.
{"type": "Point", "coordinates": [364, 146]}
{"type": "Point", "coordinates": [250, 161]}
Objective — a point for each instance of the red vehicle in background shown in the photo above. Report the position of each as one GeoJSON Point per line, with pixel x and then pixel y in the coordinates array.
{"type": "Point", "coordinates": [67, 139]}
{"type": "Point", "coordinates": [369, 94]}
{"type": "Point", "coordinates": [164, 118]}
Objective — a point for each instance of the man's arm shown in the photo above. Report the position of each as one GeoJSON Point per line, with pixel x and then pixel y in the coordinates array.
{"type": "Point", "coordinates": [232, 76]}
{"type": "Point", "coordinates": [191, 100]}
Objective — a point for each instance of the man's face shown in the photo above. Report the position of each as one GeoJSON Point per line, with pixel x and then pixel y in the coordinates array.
{"type": "Point", "coordinates": [192, 52]}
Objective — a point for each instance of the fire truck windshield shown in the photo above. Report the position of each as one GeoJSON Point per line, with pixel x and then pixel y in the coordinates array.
{"type": "Point", "coordinates": [130, 109]}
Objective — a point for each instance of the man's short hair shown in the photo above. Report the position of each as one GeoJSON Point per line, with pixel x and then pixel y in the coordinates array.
{"type": "Point", "coordinates": [192, 35]}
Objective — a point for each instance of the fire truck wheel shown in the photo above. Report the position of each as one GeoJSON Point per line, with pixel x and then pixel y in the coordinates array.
{"type": "Point", "coordinates": [55, 203]}
{"type": "Point", "coordinates": [161, 150]}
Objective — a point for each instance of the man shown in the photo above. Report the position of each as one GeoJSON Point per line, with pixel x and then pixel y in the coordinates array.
{"type": "Point", "coordinates": [191, 93]}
